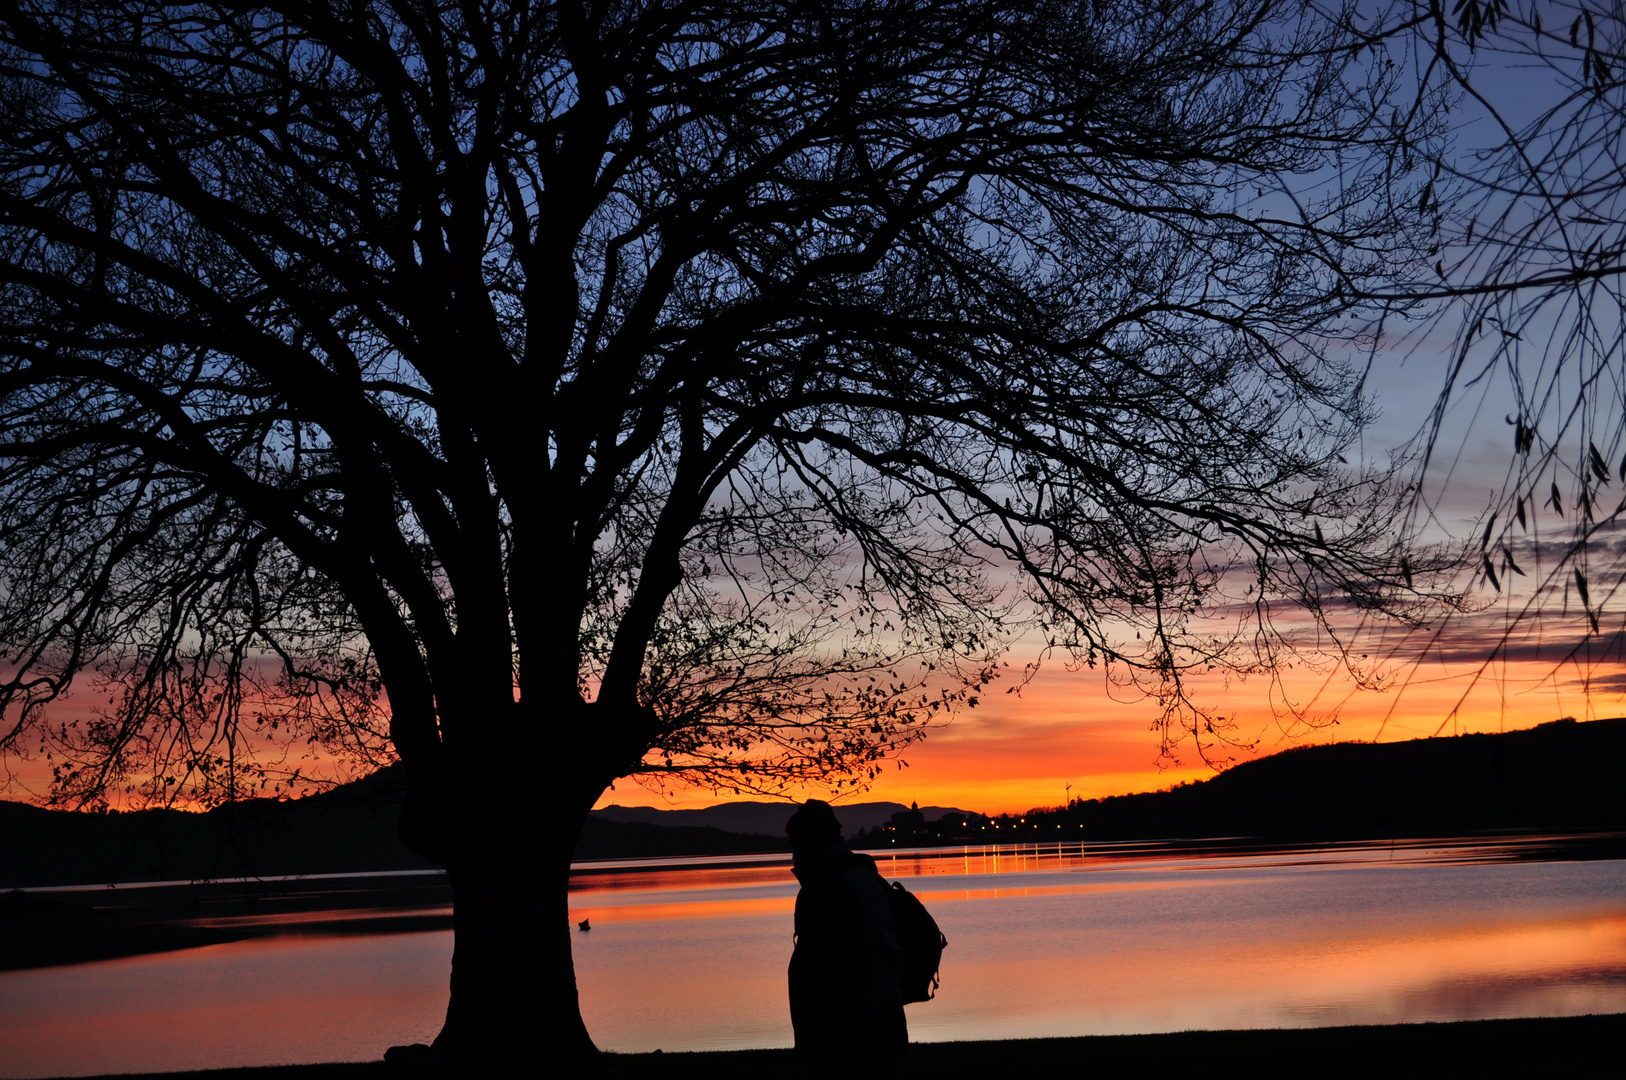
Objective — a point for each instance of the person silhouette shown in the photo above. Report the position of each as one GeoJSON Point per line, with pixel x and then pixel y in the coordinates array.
{"type": "Point", "coordinates": [847, 961]}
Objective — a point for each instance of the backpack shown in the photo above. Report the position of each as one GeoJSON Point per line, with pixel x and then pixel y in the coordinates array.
{"type": "Point", "coordinates": [922, 942]}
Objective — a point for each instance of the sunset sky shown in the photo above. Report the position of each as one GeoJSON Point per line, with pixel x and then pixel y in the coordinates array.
{"type": "Point", "coordinates": [1069, 733]}
{"type": "Point", "coordinates": [1014, 752]}
{"type": "Point", "coordinates": [412, 416]}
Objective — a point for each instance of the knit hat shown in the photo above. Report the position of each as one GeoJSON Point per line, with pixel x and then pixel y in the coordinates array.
{"type": "Point", "coordinates": [813, 824]}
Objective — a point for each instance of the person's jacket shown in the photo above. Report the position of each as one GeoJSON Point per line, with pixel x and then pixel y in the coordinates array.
{"type": "Point", "coordinates": [845, 932]}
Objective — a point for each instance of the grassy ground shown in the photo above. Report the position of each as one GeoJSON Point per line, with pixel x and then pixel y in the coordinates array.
{"type": "Point", "coordinates": [1571, 1046]}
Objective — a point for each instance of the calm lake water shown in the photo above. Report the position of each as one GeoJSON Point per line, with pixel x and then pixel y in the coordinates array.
{"type": "Point", "coordinates": [691, 954]}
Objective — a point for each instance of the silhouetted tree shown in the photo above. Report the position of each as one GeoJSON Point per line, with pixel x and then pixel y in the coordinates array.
{"type": "Point", "coordinates": [548, 394]}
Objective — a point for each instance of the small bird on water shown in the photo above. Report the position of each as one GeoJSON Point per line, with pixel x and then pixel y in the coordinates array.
{"type": "Point", "coordinates": [585, 925]}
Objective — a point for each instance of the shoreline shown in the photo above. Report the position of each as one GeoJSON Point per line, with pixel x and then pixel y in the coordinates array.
{"type": "Point", "coordinates": [1538, 1045]}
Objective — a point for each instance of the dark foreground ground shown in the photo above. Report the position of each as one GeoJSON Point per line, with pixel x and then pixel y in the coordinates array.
{"type": "Point", "coordinates": [1571, 1046]}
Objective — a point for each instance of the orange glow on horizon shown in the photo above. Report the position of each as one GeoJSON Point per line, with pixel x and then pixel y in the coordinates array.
{"type": "Point", "coordinates": [1065, 736]}
{"type": "Point", "coordinates": [1017, 753]}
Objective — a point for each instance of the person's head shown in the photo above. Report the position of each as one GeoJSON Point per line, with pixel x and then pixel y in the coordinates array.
{"type": "Point", "coordinates": [813, 826]}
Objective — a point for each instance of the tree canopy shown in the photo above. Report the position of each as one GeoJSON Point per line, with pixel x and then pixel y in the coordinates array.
{"type": "Point", "coordinates": [553, 393]}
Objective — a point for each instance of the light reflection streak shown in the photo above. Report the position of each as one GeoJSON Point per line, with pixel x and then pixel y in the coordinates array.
{"type": "Point", "coordinates": [306, 918]}
{"type": "Point", "coordinates": [680, 877]}
{"type": "Point", "coordinates": [694, 909]}
{"type": "Point", "coordinates": [692, 873]}
{"type": "Point", "coordinates": [636, 878]}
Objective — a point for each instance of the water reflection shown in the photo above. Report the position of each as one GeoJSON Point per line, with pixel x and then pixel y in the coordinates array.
{"type": "Point", "coordinates": [277, 1000]}
{"type": "Point", "coordinates": [334, 919]}
{"type": "Point", "coordinates": [1071, 941]}
{"type": "Point", "coordinates": [653, 911]}
{"type": "Point", "coordinates": [633, 877]}
{"type": "Point", "coordinates": [1056, 939]}
{"type": "Point", "coordinates": [724, 872]}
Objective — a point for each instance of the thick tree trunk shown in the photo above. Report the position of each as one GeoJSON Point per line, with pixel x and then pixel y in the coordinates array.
{"type": "Point", "coordinates": [513, 988]}
{"type": "Point", "coordinates": [513, 1005]}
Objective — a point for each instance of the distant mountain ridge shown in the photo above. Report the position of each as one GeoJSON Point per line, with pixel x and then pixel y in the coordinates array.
{"type": "Point", "coordinates": [1558, 776]}
{"type": "Point", "coordinates": [351, 829]}
{"type": "Point", "coordinates": [1562, 775]}
{"type": "Point", "coordinates": [602, 839]}
{"type": "Point", "coordinates": [763, 818]}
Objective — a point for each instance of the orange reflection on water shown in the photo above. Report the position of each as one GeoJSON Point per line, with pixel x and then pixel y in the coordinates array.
{"type": "Point", "coordinates": [274, 1000]}
{"type": "Point", "coordinates": [1013, 891]}
{"type": "Point", "coordinates": [1418, 956]}
{"type": "Point", "coordinates": [1074, 942]}
{"type": "Point", "coordinates": [320, 917]}
{"type": "Point", "coordinates": [738, 871]}
{"type": "Point", "coordinates": [1536, 968]}
{"type": "Point", "coordinates": [699, 909]}
{"type": "Point", "coordinates": [684, 874]}
{"type": "Point", "coordinates": [680, 877]}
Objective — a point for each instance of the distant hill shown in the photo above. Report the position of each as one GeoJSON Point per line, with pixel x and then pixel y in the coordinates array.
{"type": "Point", "coordinates": [1559, 776]}
{"type": "Point", "coordinates": [1562, 775]}
{"type": "Point", "coordinates": [602, 839]}
{"type": "Point", "coordinates": [347, 830]}
{"type": "Point", "coordinates": [765, 818]}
